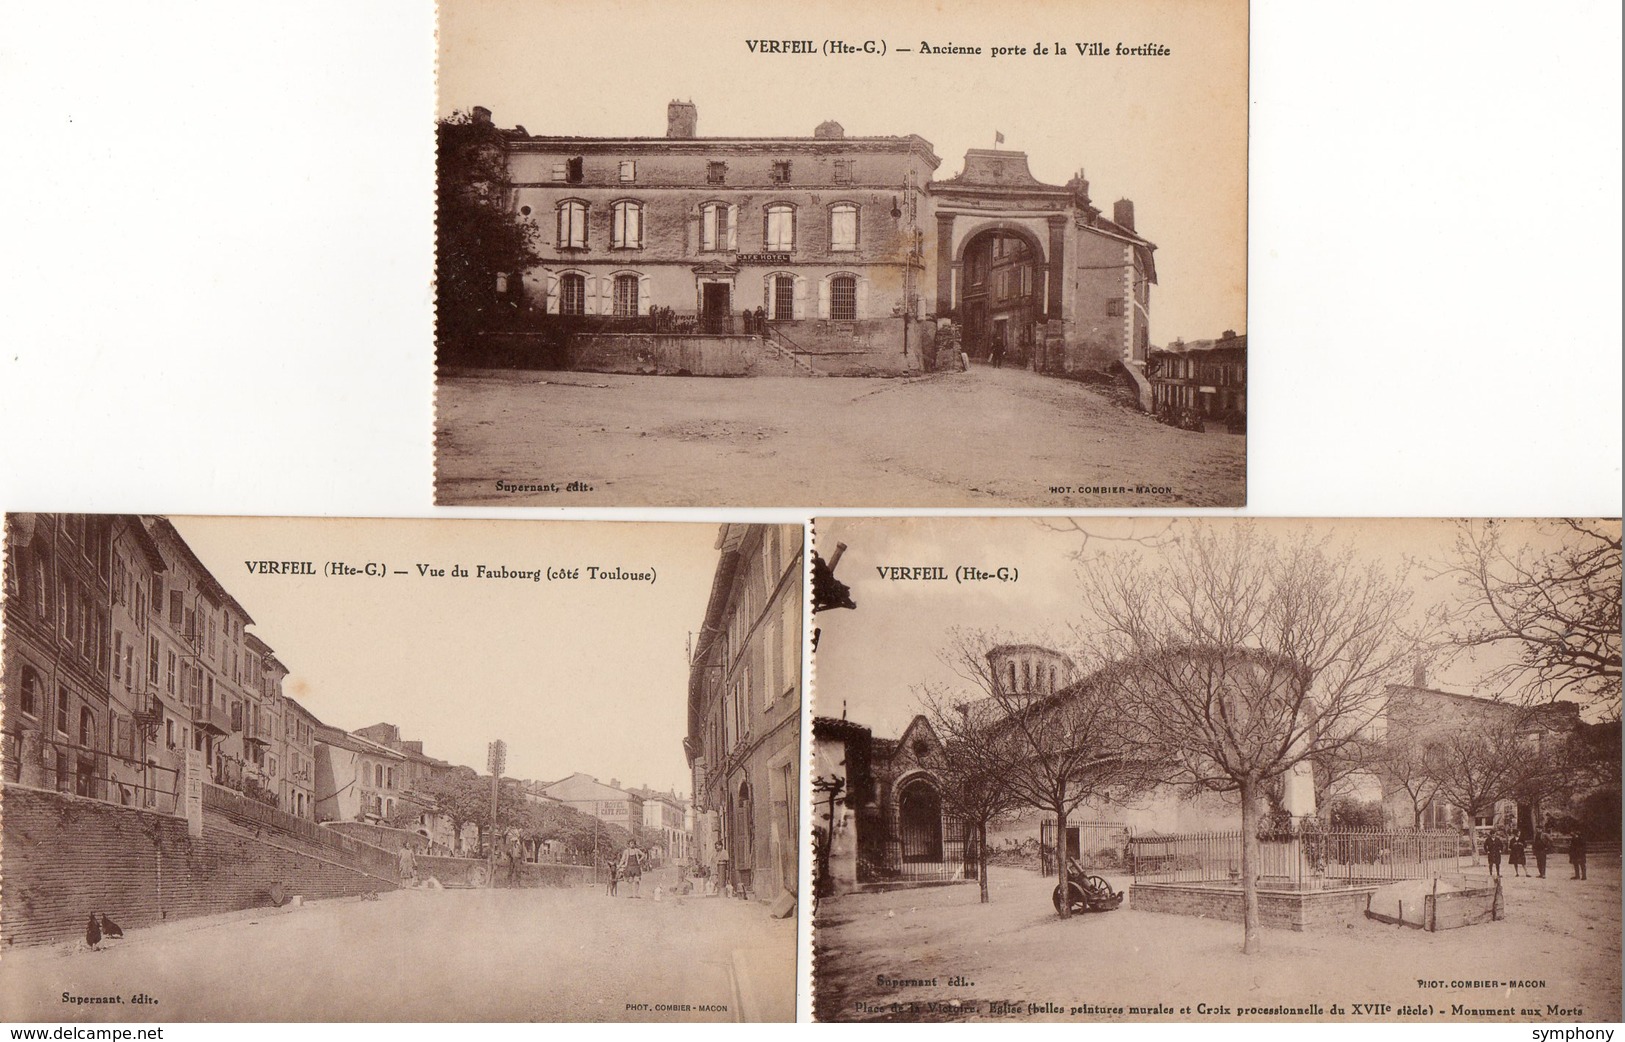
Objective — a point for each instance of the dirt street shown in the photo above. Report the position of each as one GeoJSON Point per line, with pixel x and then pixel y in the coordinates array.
{"type": "Point", "coordinates": [998, 438]}
{"type": "Point", "coordinates": [1560, 942]}
{"type": "Point", "coordinates": [446, 955]}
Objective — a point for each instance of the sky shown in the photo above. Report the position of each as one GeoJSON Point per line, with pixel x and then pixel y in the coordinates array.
{"type": "Point", "coordinates": [1168, 132]}
{"type": "Point", "coordinates": [574, 675]}
{"type": "Point", "coordinates": [873, 661]}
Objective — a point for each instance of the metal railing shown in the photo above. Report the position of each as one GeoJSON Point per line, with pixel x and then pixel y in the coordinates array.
{"type": "Point", "coordinates": [93, 773]}
{"type": "Point", "coordinates": [1306, 855]}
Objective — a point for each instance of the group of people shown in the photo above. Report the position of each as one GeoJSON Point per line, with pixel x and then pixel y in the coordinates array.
{"type": "Point", "coordinates": [1540, 845]}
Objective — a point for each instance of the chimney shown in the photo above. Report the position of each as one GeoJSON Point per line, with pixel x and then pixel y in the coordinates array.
{"type": "Point", "coordinates": [1123, 213]}
{"type": "Point", "coordinates": [482, 115]}
{"type": "Point", "coordinates": [615, 783]}
{"type": "Point", "coordinates": [829, 129]}
{"type": "Point", "coordinates": [681, 119]}
{"type": "Point", "coordinates": [1419, 673]}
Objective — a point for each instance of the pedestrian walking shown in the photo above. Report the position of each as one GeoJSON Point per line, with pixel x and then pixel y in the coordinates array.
{"type": "Point", "coordinates": [1541, 846]}
{"type": "Point", "coordinates": [1492, 849]}
{"type": "Point", "coordinates": [1577, 855]}
{"type": "Point", "coordinates": [1515, 855]}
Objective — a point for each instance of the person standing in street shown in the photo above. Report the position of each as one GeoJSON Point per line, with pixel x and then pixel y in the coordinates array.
{"type": "Point", "coordinates": [408, 865]}
{"type": "Point", "coordinates": [1577, 855]}
{"type": "Point", "coordinates": [1492, 849]}
{"type": "Point", "coordinates": [1515, 854]}
{"type": "Point", "coordinates": [1541, 846]}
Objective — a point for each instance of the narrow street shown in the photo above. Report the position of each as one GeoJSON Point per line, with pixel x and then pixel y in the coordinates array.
{"type": "Point", "coordinates": [431, 955]}
{"type": "Point", "coordinates": [1000, 438]}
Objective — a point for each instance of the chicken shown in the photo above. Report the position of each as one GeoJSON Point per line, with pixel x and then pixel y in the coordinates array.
{"type": "Point", "coordinates": [93, 932]}
{"type": "Point", "coordinates": [111, 930]}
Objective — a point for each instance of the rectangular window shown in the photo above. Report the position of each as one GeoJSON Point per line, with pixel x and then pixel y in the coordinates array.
{"type": "Point", "coordinates": [118, 654]}
{"type": "Point", "coordinates": [61, 709]}
{"type": "Point", "coordinates": [574, 169]}
{"type": "Point", "coordinates": [627, 226]}
{"type": "Point", "coordinates": [716, 221]}
{"type": "Point", "coordinates": [572, 226]}
{"type": "Point", "coordinates": [169, 673]}
{"type": "Point", "coordinates": [779, 235]}
{"type": "Point", "coordinates": [716, 173]}
{"type": "Point", "coordinates": [629, 170]}
{"type": "Point", "coordinates": [843, 298]}
{"type": "Point", "coordinates": [781, 171]}
{"type": "Point", "coordinates": [774, 684]}
{"type": "Point", "coordinates": [1114, 307]}
{"type": "Point", "coordinates": [843, 228]}
{"type": "Point", "coordinates": [559, 172]}
{"type": "Point", "coordinates": [843, 171]}
{"type": "Point", "coordinates": [792, 644]}
{"type": "Point", "coordinates": [626, 296]}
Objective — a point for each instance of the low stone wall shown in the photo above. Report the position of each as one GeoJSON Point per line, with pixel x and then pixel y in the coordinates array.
{"type": "Point", "coordinates": [380, 836]}
{"type": "Point", "coordinates": [1298, 910]}
{"type": "Point", "coordinates": [462, 871]}
{"type": "Point", "coordinates": [674, 354]}
{"type": "Point", "coordinates": [67, 857]}
{"type": "Point", "coordinates": [870, 347]}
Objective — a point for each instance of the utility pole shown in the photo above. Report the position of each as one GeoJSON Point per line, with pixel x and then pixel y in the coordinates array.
{"type": "Point", "coordinates": [497, 761]}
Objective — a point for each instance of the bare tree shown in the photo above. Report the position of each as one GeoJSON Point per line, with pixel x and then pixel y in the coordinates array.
{"type": "Point", "coordinates": [1401, 761]}
{"type": "Point", "coordinates": [1236, 657]}
{"type": "Point", "coordinates": [1059, 745]}
{"type": "Point", "coordinates": [1555, 608]}
{"type": "Point", "coordinates": [974, 765]}
{"type": "Point", "coordinates": [1476, 767]}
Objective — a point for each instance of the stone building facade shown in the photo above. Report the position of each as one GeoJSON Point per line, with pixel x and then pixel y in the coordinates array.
{"type": "Point", "coordinates": [123, 652]}
{"type": "Point", "coordinates": [857, 258]}
{"type": "Point", "coordinates": [744, 711]}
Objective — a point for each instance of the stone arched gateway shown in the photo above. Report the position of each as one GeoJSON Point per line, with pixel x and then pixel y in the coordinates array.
{"type": "Point", "coordinates": [1001, 287]}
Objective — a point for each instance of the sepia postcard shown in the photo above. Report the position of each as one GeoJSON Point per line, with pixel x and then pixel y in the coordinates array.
{"type": "Point", "coordinates": [1181, 769]}
{"type": "Point", "coordinates": [902, 255]}
{"type": "Point", "coordinates": [366, 770]}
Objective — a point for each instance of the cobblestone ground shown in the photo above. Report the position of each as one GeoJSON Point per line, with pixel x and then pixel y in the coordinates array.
{"type": "Point", "coordinates": [1558, 947]}
{"type": "Point", "coordinates": [987, 438]}
{"type": "Point", "coordinates": [448, 955]}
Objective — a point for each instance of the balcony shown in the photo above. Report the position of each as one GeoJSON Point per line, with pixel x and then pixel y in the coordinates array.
{"type": "Point", "coordinates": [212, 719]}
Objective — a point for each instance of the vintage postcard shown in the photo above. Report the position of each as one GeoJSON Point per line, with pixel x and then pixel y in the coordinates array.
{"type": "Point", "coordinates": [365, 770]}
{"type": "Point", "coordinates": [896, 255]}
{"type": "Point", "coordinates": [1216, 769]}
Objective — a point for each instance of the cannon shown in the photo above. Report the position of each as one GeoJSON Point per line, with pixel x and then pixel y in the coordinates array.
{"type": "Point", "coordinates": [1085, 892]}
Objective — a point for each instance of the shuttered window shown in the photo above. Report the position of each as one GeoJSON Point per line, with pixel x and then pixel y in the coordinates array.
{"type": "Point", "coordinates": [779, 228]}
{"type": "Point", "coordinates": [572, 226]}
{"type": "Point", "coordinates": [843, 227]}
{"type": "Point", "coordinates": [627, 226]}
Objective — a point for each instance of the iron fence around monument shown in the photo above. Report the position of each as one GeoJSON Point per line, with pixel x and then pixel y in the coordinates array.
{"type": "Point", "coordinates": [1307, 855]}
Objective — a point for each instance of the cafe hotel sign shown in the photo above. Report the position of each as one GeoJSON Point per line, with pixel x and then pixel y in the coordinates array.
{"type": "Point", "coordinates": [764, 258]}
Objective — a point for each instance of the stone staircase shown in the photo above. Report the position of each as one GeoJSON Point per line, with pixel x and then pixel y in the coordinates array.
{"type": "Point", "coordinates": [784, 360]}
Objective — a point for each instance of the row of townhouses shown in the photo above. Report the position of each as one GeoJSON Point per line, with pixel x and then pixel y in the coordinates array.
{"type": "Point", "coordinates": [123, 651]}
